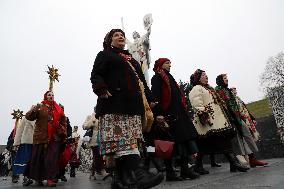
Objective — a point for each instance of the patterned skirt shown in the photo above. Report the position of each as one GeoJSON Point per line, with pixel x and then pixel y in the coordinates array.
{"type": "Point", "coordinates": [244, 144]}
{"type": "Point", "coordinates": [120, 134]}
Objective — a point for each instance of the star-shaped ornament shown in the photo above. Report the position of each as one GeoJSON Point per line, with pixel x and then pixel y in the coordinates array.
{"type": "Point", "coordinates": [17, 114]}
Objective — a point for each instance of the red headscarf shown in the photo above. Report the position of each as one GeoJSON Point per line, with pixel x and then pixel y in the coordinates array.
{"type": "Point", "coordinates": [55, 112]}
{"type": "Point", "coordinates": [166, 87]}
{"type": "Point", "coordinates": [159, 63]}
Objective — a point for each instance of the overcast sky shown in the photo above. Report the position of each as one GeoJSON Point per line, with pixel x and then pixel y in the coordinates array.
{"type": "Point", "coordinates": [219, 36]}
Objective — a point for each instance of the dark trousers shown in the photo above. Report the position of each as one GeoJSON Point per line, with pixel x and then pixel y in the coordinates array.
{"type": "Point", "coordinates": [98, 163]}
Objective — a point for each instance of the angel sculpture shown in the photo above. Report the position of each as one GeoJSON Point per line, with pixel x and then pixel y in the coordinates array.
{"type": "Point", "coordinates": [141, 46]}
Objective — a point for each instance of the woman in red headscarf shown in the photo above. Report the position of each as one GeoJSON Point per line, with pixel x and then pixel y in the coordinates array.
{"type": "Point", "coordinates": [49, 131]}
{"type": "Point", "coordinates": [172, 109]}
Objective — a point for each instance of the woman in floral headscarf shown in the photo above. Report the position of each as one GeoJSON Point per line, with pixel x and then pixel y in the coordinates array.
{"type": "Point", "coordinates": [118, 81]}
{"type": "Point", "coordinates": [211, 122]}
{"type": "Point", "coordinates": [243, 143]}
{"type": "Point", "coordinates": [49, 131]}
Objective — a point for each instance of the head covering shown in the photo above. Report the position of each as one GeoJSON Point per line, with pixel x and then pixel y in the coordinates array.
{"type": "Point", "coordinates": [159, 63]}
{"type": "Point", "coordinates": [220, 80]}
{"type": "Point", "coordinates": [191, 79]}
{"type": "Point", "coordinates": [196, 77]}
{"type": "Point", "coordinates": [108, 38]}
{"type": "Point", "coordinates": [190, 85]}
{"type": "Point", "coordinates": [45, 95]}
{"type": "Point", "coordinates": [166, 86]}
{"type": "Point", "coordinates": [61, 106]}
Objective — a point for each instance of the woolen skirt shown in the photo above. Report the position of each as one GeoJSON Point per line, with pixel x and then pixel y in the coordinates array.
{"type": "Point", "coordinates": [44, 161]}
{"type": "Point", "coordinates": [22, 157]}
{"type": "Point", "coordinates": [52, 159]}
{"type": "Point", "coordinates": [36, 168]}
{"type": "Point", "coordinates": [243, 143]}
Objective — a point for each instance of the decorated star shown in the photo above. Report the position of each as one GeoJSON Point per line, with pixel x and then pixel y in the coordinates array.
{"type": "Point", "coordinates": [17, 114]}
{"type": "Point", "coordinates": [53, 73]}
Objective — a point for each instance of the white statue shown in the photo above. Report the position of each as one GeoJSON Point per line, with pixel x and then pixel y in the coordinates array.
{"type": "Point", "coordinates": [141, 46]}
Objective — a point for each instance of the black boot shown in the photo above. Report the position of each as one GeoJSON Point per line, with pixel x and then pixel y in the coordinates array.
{"type": "Point", "coordinates": [147, 179]}
{"type": "Point", "coordinates": [234, 163]}
{"type": "Point", "coordinates": [186, 172]}
{"type": "Point", "coordinates": [158, 165]}
{"type": "Point", "coordinates": [27, 181]}
{"type": "Point", "coordinates": [117, 175]}
{"type": "Point", "coordinates": [72, 172]}
{"type": "Point", "coordinates": [198, 167]}
{"type": "Point", "coordinates": [116, 181]}
{"type": "Point", "coordinates": [213, 161]}
{"type": "Point", "coordinates": [15, 178]}
{"type": "Point", "coordinates": [170, 173]}
{"type": "Point", "coordinates": [129, 164]}
{"type": "Point", "coordinates": [129, 179]}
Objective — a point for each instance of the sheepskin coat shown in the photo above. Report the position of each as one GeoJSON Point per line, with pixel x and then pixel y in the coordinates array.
{"type": "Point", "coordinates": [202, 100]}
{"type": "Point", "coordinates": [92, 122]}
{"type": "Point", "coordinates": [25, 131]}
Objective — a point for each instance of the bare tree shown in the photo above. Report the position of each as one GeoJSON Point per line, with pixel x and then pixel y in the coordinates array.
{"type": "Point", "coordinates": [273, 75]}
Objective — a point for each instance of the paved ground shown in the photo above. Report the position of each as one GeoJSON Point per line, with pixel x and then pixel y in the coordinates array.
{"type": "Point", "coordinates": [271, 177]}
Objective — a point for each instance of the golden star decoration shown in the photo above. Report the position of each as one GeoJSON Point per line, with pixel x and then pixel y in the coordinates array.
{"type": "Point", "coordinates": [17, 114]}
{"type": "Point", "coordinates": [53, 73]}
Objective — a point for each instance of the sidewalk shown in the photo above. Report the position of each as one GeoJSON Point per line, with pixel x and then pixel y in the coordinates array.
{"type": "Point", "coordinates": [271, 177]}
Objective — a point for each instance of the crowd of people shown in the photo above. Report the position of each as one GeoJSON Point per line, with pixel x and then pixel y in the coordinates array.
{"type": "Point", "coordinates": [133, 125]}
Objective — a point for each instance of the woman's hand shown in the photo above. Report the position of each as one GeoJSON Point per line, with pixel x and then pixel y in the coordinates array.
{"type": "Point", "coordinates": [153, 104]}
{"type": "Point", "coordinates": [105, 95]}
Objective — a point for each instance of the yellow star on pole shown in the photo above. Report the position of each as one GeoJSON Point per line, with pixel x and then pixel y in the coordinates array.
{"type": "Point", "coordinates": [17, 114]}
{"type": "Point", "coordinates": [53, 73]}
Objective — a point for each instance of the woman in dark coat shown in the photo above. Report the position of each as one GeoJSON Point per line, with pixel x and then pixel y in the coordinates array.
{"type": "Point", "coordinates": [117, 80]}
{"type": "Point", "coordinates": [172, 109]}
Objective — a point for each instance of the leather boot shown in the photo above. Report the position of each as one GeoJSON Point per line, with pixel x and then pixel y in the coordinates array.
{"type": "Point", "coordinates": [213, 161]}
{"type": "Point", "coordinates": [15, 178]}
{"type": "Point", "coordinates": [135, 176]}
{"type": "Point", "coordinates": [158, 165]}
{"type": "Point", "coordinates": [116, 182]}
{"type": "Point", "coordinates": [254, 162]}
{"type": "Point", "coordinates": [51, 183]}
{"type": "Point", "coordinates": [147, 179]}
{"type": "Point", "coordinates": [119, 174]}
{"type": "Point", "coordinates": [128, 179]}
{"type": "Point", "coordinates": [186, 172]}
{"type": "Point", "coordinates": [128, 165]}
{"type": "Point", "coordinates": [170, 173]}
{"type": "Point", "coordinates": [147, 161]}
{"type": "Point", "coordinates": [234, 163]}
{"type": "Point", "coordinates": [72, 172]}
{"type": "Point", "coordinates": [198, 167]}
